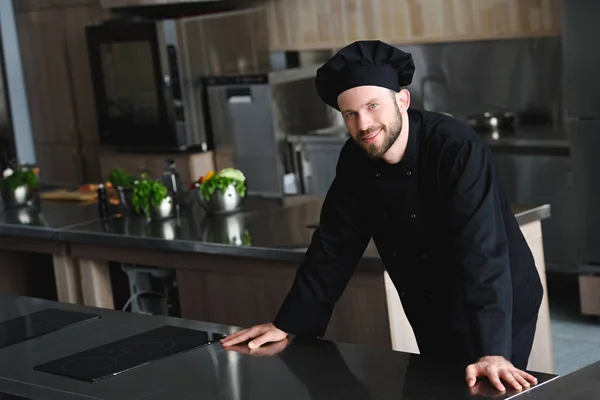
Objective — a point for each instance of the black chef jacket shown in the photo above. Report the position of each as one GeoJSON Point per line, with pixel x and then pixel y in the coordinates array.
{"type": "Point", "coordinates": [445, 232]}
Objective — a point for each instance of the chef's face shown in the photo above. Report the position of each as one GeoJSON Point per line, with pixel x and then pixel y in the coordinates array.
{"type": "Point", "coordinates": [373, 117]}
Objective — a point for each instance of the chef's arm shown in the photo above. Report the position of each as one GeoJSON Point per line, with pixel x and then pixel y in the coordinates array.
{"type": "Point", "coordinates": [481, 248]}
{"type": "Point", "coordinates": [332, 256]}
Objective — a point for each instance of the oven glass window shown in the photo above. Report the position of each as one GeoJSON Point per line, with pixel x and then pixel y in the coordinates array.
{"type": "Point", "coordinates": [130, 84]}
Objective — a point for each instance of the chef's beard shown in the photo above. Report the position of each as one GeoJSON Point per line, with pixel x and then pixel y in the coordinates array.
{"type": "Point", "coordinates": [390, 132]}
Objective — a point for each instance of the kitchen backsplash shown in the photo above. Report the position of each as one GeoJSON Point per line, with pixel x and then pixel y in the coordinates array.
{"type": "Point", "coordinates": [470, 77]}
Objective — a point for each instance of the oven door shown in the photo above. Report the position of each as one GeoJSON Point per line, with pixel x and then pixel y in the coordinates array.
{"type": "Point", "coordinates": [129, 86]}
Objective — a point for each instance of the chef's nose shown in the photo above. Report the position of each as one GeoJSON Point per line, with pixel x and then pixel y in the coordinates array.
{"type": "Point", "coordinates": [364, 122]}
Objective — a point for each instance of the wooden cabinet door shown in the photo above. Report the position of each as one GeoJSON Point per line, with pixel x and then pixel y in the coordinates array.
{"type": "Point", "coordinates": [60, 164]}
{"type": "Point", "coordinates": [332, 24]}
{"type": "Point", "coordinates": [75, 21]}
{"type": "Point", "coordinates": [30, 5]}
{"type": "Point", "coordinates": [91, 163]}
{"type": "Point", "coordinates": [133, 3]}
{"type": "Point", "coordinates": [47, 75]}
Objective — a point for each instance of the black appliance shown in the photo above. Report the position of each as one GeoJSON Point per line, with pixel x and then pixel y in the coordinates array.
{"type": "Point", "coordinates": [39, 323]}
{"type": "Point", "coordinates": [148, 74]}
{"type": "Point", "coordinates": [129, 353]}
{"type": "Point", "coordinates": [6, 396]}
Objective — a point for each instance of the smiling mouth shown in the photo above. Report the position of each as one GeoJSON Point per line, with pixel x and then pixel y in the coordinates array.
{"type": "Point", "coordinates": [371, 136]}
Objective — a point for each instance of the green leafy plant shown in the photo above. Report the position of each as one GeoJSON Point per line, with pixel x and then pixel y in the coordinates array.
{"type": "Point", "coordinates": [22, 175]}
{"type": "Point", "coordinates": [119, 178]}
{"type": "Point", "coordinates": [211, 182]}
{"type": "Point", "coordinates": [221, 183]}
{"type": "Point", "coordinates": [148, 193]}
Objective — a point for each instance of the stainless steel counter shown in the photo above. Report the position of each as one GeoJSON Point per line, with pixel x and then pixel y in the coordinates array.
{"type": "Point", "coordinates": [288, 370]}
{"type": "Point", "coordinates": [45, 221]}
{"type": "Point", "coordinates": [532, 139]}
{"type": "Point", "coordinates": [582, 384]}
{"type": "Point", "coordinates": [263, 230]}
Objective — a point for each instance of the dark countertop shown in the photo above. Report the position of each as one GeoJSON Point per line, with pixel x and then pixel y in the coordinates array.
{"type": "Point", "coordinates": [45, 220]}
{"type": "Point", "coordinates": [265, 229]}
{"type": "Point", "coordinates": [582, 384]}
{"type": "Point", "coordinates": [286, 370]}
{"type": "Point", "coordinates": [531, 139]}
{"type": "Point", "coordinates": [281, 233]}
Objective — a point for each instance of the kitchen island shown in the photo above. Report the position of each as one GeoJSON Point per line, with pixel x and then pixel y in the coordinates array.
{"type": "Point", "coordinates": [236, 269]}
{"type": "Point", "coordinates": [65, 351]}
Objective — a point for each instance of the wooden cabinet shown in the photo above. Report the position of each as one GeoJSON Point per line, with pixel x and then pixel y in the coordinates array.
{"type": "Point", "coordinates": [46, 70]}
{"type": "Point", "coordinates": [133, 3]}
{"type": "Point", "coordinates": [331, 24]}
{"type": "Point", "coordinates": [60, 164]}
{"type": "Point", "coordinates": [30, 5]}
{"type": "Point", "coordinates": [59, 86]}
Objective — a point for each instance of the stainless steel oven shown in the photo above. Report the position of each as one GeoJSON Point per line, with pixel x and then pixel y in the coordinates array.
{"type": "Point", "coordinates": [147, 75]}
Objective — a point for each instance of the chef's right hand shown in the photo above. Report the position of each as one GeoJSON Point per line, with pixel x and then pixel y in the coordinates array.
{"type": "Point", "coordinates": [259, 335]}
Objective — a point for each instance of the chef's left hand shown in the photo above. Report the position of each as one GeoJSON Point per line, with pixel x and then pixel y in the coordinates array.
{"type": "Point", "coordinates": [496, 368]}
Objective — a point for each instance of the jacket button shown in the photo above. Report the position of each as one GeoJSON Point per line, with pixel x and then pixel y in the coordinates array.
{"type": "Point", "coordinates": [413, 216]}
{"type": "Point", "coordinates": [377, 174]}
{"type": "Point", "coordinates": [385, 215]}
{"type": "Point", "coordinates": [423, 255]}
{"type": "Point", "coordinates": [409, 173]}
{"type": "Point", "coordinates": [394, 254]}
{"type": "Point", "coordinates": [402, 293]}
{"type": "Point", "coordinates": [430, 295]}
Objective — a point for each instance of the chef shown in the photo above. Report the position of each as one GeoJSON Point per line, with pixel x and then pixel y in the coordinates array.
{"type": "Point", "coordinates": [424, 186]}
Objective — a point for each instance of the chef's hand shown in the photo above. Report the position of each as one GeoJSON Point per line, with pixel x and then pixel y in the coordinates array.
{"type": "Point", "coordinates": [267, 350]}
{"type": "Point", "coordinates": [259, 334]}
{"type": "Point", "coordinates": [496, 368]}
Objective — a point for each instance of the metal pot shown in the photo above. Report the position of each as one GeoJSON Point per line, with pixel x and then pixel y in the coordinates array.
{"type": "Point", "coordinates": [22, 196]}
{"type": "Point", "coordinates": [166, 209]}
{"type": "Point", "coordinates": [222, 203]}
{"type": "Point", "coordinates": [491, 121]}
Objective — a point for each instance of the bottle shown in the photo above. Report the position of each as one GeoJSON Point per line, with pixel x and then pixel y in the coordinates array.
{"type": "Point", "coordinates": [171, 177]}
{"type": "Point", "coordinates": [102, 201]}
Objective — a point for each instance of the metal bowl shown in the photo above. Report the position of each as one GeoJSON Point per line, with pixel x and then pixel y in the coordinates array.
{"type": "Point", "coordinates": [166, 209]}
{"type": "Point", "coordinates": [222, 203]}
{"type": "Point", "coordinates": [22, 196]}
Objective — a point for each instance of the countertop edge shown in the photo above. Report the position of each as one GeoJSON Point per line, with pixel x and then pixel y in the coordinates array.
{"type": "Point", "coordinates": [533, 214]}
{"type": "Point", "coordinates": [295, 255]}
{"type": "Point", "coordinates": [259, 253]}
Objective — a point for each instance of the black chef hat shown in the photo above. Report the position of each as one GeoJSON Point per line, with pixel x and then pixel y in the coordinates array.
{"type": "Point", "coordinates": [366, 62]}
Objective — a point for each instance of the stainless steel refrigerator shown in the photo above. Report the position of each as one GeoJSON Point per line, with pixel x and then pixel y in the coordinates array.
{"type": "Point", "coordinates": [581, 63]}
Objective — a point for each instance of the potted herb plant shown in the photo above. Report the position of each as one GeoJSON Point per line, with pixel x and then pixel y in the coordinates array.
{"type": "Point", "coordinates": [151, 198]}
{"type": "Point", "coordinates": [123, 183]}
{"type": "Point", "coordinates": [223, 192]}
{"type": "Point", "coordinates": [18, 185]}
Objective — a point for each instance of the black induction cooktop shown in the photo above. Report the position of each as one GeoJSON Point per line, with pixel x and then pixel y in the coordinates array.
{"type": "Point", "coordinates": [6, 396]}
{"type": "Point", "coordinates": [39, 323]}
{"type": "Point", "coordinates": [126, 354]}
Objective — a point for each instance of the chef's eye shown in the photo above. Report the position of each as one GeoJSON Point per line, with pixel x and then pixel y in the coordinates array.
{"type": "Point", "coordinates": [349, 114]}
{"type": "Point", "coordinates": [373, 105]}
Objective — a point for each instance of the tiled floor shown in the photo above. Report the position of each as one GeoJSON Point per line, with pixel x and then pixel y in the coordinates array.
{"type": "Point", "coordinates": [576, 337]}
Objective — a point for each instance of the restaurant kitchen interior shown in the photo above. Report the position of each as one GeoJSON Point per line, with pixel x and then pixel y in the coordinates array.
{"type": "Point", "coordinates": [183, 90]}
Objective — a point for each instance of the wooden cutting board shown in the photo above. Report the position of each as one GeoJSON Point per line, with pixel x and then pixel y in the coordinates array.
{"type": "Point", "coordinates": [69, 195]}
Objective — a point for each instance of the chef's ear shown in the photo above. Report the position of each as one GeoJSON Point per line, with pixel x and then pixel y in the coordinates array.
{"type": "Point", "coordinates": [403, 99]}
